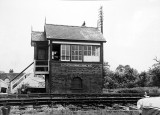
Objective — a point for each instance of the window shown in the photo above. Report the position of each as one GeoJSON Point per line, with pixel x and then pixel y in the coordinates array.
{"type": "Point", "coordinates": [42, 53]}
{"type": "Point", "coordinates": [79, 53]}
{"type": "Point", "coordinates": [56, 52]}
{"type": "Point", "coordinates": [65, 52]}
{"type": "Point", "coordinates": [76, 53]}
{"type": "Point", "coordinates": [91, 53]}
{"type": "Point", "coordinates": [95, 50]}
{"type": "Point", "coordinates": [87, 50]}
{"type": "Point", "coordinates": [76, 83]}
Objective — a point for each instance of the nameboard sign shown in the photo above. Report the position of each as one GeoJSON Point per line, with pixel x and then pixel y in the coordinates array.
{"type": "Point", "coordinates": [76, 65]}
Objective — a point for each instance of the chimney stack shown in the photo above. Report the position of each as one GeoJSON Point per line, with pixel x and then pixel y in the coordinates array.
{"type": "Point", "coordinates": [84, 23]}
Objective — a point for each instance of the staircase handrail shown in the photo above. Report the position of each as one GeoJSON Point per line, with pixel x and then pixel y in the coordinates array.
{"type": "Point", "coordinates": [22, 72]}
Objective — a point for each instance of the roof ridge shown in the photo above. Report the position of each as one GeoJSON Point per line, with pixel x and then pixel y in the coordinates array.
{"type": "Point", "coordinates": [72, 26]}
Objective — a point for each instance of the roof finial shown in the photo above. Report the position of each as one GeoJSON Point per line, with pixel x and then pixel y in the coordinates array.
{"type": "Point", "coordinates": [84, 23]}
{"type": "Point", "coordinates": [45, 20]}
{"type": "Point", "coordinates": [31, 28]}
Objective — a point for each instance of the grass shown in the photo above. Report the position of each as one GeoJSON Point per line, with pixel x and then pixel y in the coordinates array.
{"type": "Point", "coordinates": [92, 112]}
{"type": "Point", "coordinates": [55, 111]}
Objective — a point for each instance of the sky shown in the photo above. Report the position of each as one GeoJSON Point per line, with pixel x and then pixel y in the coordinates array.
{"type": "Point", "coordinates": [131, 29]}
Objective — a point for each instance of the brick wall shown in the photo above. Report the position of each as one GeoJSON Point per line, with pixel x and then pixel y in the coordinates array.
{"type": "Point", "coordinates": [62, 74]}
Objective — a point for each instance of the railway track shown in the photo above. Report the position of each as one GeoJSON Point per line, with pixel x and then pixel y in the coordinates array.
{"type": "Point", "coordinates": [42, 99]}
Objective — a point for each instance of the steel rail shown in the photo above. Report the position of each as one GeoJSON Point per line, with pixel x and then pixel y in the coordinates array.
{"type": "Point", "coordinates": [71, 95]}
{"type": "Point", "coordinates": [75, 95]}
{"type": "Point", "coordinates": [40, 99]}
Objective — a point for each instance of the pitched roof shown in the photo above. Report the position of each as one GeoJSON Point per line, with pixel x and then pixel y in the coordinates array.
{"type": "Point", "coordinates": [64, 32]}
{"type": "Point", "coordinates": [10, 76]}
{"type": "Point", "coordinates": [3, 76]}
{"type": "Point", "coordinates": [37, 36]}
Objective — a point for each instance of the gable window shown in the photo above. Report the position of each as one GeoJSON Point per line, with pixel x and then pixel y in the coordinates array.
{"type": "Point", "coordinates": [76, 52]}
{"type": "Point", "coordinates": [65, 52]}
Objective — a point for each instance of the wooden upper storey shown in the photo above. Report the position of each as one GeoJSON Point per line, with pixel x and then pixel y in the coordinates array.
{"type": "Point", "coordinates": [68, 43]}
{"type": "Point", "coordinates": [62, 43]}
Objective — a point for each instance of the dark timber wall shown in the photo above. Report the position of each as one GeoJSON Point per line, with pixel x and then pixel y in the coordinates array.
{"type": "Point", "coordinates": [62, 74]}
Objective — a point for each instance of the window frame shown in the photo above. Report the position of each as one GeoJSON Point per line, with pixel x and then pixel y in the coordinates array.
{"type": "Point", "coordinates": [77, 50]}
{"type": "Point", "coordinates": [65, 52]}
{"type": "Point", "coordinates": [80, 52]}
{"type": "Point", "coordinates": [96, 53]}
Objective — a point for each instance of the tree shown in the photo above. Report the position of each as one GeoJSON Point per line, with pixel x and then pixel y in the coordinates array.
{"type": "Point", "coordinates": [123, 77]}
{"type": "Point", "coordinates": [109, 82]}
{"type": "Point", "coordinates": [143, 79]}
{"type": "Point", "coordinates": [154, 72]}
{"type": "Point", "coordinates": [126, 76]}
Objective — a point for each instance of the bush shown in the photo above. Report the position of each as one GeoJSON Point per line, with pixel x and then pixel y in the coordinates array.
{"type": "Point", "coordinates": [131, 90]}
{"type": "Point", "coordinates": [154, 90]}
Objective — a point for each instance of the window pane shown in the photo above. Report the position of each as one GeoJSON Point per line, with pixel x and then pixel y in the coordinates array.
{"type": "Point", "coordinates": [89, 47]}
{"type": "Point", "coordinates": [80, 47]}
{"type": "Point", "coordinates": [67, 58]}
{"type": "Point", "coordinates": [73, 47]}
{"type": "Point", "coordinates": [93, 53]}
{"type": "Point", "coordinates": [73, 58]}
{"type": "Point", "coordinates": [63, 52]}
{"type": "Point", "coordinates": [72, 52]}
{"type": "Point", "coordinates": [93, 50]}
{"type": "Point", "coordinates": [97, 51]}
{"type": "Point", "coordinates": [67, 50]}
{"type": "Point", "coordinates": [89, 53]}
{"type": "Point", "coordinates": [85, 47]}
{"type": "Point", "coordinates": [85, 53]}
{"type": "Point", "coordinates": [76, 47]}
{"type": "Point", "coordinates": [67, 47]}
{"type": "Point", "coordinates": [80, 52]}
{"type": "Point", "coordinates": [63, 47]}
{"type": "Point", "coordinates": [76, 53]}
{"type": "Point", "coordinates": [80, 57]}
{"type": "Point", "coordinates": [76, 57]}
{"type": "Point", "coordinates": [63, 58]}
{"type": "Point", "coordinates": [67, 53]}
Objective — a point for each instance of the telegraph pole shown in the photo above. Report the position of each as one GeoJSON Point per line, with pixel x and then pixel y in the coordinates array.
{"type": "Point", "coordinates": [100, 19]}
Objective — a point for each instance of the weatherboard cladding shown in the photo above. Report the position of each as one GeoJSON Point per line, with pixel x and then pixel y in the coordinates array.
{"type": "Point", "coordinates": [64, 32]}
